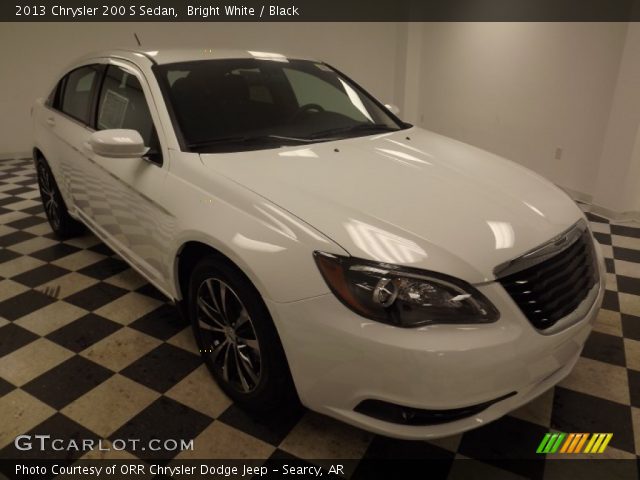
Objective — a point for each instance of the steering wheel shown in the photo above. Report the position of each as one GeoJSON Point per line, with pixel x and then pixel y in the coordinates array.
{"type": "Point", "coordinates": [309, 107]}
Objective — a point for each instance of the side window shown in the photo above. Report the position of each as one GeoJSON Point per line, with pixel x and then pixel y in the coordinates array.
{"type": "Point", "coordinates": [79, 87]}
{"type": "Point", "coordinates": [122, 105]}
{"type": "Point", "coordinates": [51, 98]}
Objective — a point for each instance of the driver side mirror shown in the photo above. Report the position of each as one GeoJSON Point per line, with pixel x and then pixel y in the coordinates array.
{"type": "Point", "coordinates": [392, 108]}
{"type": "Point", "coordinates": [117, 143]}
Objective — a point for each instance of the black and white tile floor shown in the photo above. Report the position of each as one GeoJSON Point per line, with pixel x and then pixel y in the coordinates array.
{"type": "Point", "coordinates": [89, 350]}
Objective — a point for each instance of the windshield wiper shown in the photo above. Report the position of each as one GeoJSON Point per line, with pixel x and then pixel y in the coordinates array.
{"type": "Point", "coordinates": [250, 139]}
{"type": "Point", "coordinates": [361, 127]}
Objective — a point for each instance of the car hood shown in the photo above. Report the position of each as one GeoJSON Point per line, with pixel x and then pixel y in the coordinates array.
{"type": "Point", "coordinates": [411, 197]}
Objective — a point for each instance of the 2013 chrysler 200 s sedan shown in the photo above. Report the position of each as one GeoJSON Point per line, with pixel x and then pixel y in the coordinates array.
{"type": "Point", "coordinates": [388, 276]}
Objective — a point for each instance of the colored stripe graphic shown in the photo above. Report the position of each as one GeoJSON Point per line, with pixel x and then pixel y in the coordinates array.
{"type": "Point", "coordinates": [605, 442]}
{"type": "Point", "coordinates": [591, 442]}
{"type": "Point", "coordinates": [596, 445]}
{"type": "Point", "coordinates": [574, 446]}
{"type": "Point", "coordinates": [574, 443]}
{"type": "Point", "coordinates": [550, 443]}
{"type": "Point", "coordinates": [582, 442]}
{"type": "Point", "coordinates": [599, 442]}
{"type": "Point", "coordinates": [567, 443]}
{"type": "Point", "coordinates": [543, 443]}
{"type": "Point", "coordinates": [557, 444]}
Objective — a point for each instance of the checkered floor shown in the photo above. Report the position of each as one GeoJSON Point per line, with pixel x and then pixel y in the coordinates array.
{"type": "Point", "coordinates": [89, 350]}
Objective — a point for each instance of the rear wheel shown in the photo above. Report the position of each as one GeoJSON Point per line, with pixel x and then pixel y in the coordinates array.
{"type": "Point", "coordinates": [62, 224]}
{"type": "Point", "coordinates": [236, 336]}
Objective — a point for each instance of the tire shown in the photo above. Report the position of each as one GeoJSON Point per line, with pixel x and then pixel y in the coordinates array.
{"type": "Point", "coordinates": [62, 224]}
{"type": "Point", "coordinates": [237, 338]}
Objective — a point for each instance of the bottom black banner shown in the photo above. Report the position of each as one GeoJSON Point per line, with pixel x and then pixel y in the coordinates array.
{"type": "Point", "coordinates": [293, 468]}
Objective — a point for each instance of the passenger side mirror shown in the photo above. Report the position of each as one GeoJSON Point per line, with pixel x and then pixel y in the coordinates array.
{"type": "Point", "coordinates": [393, 108]}
{"type": "Point", "coordinates": [117, 143]}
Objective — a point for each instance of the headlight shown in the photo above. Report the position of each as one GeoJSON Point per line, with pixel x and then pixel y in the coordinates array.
{"type": "Point", "coordinates": [403, 296]}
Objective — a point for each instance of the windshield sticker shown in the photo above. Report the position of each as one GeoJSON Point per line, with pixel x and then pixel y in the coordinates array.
{"type": "Point", "coordinates": [114, 108]}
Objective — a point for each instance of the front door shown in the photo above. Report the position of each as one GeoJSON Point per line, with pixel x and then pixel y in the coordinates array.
{"type": "Point", "coordinates": [122, 193]}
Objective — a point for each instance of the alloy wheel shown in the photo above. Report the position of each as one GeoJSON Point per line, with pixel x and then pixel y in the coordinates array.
{"type": "Point", "coordinates": [49, 196]}
{"type": "Point", "coordinates": [228, 335]}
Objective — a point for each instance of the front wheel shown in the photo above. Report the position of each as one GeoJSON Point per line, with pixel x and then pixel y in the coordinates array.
{"type": "Point", "coordinates": [236, 336]}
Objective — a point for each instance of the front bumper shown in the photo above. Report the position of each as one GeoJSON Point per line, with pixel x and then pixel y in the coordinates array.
{"type": "Point", "coordinates": [339, 359]}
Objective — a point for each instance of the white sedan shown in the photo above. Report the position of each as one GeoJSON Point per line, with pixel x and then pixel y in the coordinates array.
{"type": "Point", "coordinates": [323, 249]}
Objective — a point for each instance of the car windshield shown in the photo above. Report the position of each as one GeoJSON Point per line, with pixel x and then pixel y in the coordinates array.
{"type": "Point", "coordinates": [249, 104]}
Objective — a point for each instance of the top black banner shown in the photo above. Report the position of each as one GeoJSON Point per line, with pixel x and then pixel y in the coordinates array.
{"type": "Point", "coordinates": [320, 10]}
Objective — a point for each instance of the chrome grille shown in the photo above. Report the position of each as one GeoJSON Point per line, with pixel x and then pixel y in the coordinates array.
{"type": "Point", "coordinates": [554, 287]}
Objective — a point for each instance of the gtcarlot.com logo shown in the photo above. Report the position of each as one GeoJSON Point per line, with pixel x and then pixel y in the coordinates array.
{"type": "Point", "coordinates": [47, 443]}
{"type": "Point", "coordinates": [574, 442]}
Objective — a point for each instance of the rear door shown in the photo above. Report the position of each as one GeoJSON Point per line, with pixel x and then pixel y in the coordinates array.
{"type": "Point", "coordinates": [65, 126]}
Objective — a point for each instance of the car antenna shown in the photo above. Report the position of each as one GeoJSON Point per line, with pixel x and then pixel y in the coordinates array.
{"type": "Point", "coordinates": [137, 39]}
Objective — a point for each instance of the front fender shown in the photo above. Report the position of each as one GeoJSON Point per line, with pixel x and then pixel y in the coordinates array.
{"type": "Point", "coordinates": [271, 246]}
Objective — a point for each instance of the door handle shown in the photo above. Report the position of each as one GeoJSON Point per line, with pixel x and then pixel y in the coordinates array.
{"type": "Point", "coordinates": [51, 121]}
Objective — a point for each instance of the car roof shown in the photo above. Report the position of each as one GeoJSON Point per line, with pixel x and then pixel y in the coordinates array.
{"type": "Point", "coordinates": [174, 55]}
